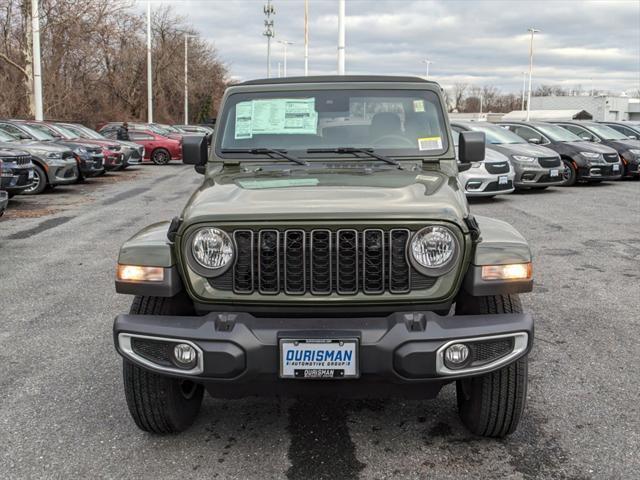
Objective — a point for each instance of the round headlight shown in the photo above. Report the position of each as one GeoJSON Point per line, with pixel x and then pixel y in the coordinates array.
{"type": "Point", "coordinates": [434, 248]}
{"type": "Point", "coordinates": [212, 248]}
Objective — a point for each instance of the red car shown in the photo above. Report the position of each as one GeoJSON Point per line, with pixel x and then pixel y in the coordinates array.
{"type": "Point", "coordinates": [157, 148]}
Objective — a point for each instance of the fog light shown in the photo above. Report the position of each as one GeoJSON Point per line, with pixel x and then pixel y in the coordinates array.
{"type": "Point", "coordinates": [185, 355]}
{"type": "Point", "coordinates": [456, 354]}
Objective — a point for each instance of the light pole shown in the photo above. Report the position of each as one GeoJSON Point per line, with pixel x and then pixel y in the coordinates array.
{"type": "Point", "coordinates": [524, 87]}
{"type": "Point", "coordinates": [149, 70]}
{"type": "Point", "coordinates": [341, 35]}
{"type": "Point", "coordinates": [186, 77]}
{"type": "Point", "coordinates": [533, 31]}
{"type": "Point", "coordinates": [427, 62]}
{"type": "Point", "coordinates": [37, 70]}
{"type": "Point", "coordinates": [306, 37]}
{"type": "Point", "coordinates": [269, 32]}
{"type": "Point", "coordinates": [285, 43]}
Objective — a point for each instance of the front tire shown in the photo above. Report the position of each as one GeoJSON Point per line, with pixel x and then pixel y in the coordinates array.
{"type": "Point", "coordinates": [569, 173]}
{"type": "Point", "coordinates": [39, 182]}
{"type": "Point", "coordinates": [491, 405]}
{"type": "Point", "coordinates": [157, 403]}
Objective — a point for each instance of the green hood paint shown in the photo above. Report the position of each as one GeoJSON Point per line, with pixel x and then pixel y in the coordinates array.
{"type": "Point", "coordinates": [327, 194]}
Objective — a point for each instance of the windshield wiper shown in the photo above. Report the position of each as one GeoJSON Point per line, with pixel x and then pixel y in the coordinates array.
{"type": "Point", "coordinates": [266, 151]}
{"type": "Point", "coordinates": [355, 151]}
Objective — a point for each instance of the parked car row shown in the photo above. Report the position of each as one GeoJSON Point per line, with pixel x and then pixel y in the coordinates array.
{"type": "Point", "coordinates": [526, 155]}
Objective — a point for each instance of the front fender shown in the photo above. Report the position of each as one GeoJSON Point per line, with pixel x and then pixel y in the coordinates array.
{"type": "Point", "coordinates": [500, 244]}
{"type": "Point", "coordinates": [150, 247]}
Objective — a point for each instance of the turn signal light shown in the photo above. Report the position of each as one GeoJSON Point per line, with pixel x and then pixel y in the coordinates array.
{"type": "Point", "coordinates": [136, 273]}
{"type": "Point", "coordinates": [515, 271]}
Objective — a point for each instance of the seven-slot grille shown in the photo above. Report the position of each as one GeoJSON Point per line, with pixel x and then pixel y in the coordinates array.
{"type": "Point", "coordinates": [610, 157]}
{"type": "Point", "coordinates": [321, 262]}
{"type": "Point", "coordinates": [21, 160]}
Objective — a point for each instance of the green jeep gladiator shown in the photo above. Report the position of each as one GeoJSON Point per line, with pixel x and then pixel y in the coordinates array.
{"type": "Point", "coordinates": [329, 251]}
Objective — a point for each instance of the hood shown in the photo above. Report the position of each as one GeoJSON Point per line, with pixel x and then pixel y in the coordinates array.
{"type": "Point", "coordinates": [493, 156]}
{"type": "Point", "coordinates": [591, 147]}
{"type": "Point", "coordinates": [8, 152]}
{"type": "Point", "coordinates": [33, 145]}
{"type": "Point", "coordinates": [525, 149]}
{"type": "Point", "coordinates": [95, 142]}
{"type": "Point", "coordinates": [306, 194]}
{"type": "Point", "coordinates": [624, 145]}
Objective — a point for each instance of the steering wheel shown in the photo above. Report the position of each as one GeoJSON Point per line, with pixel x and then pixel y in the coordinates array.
{"type": "Point", "coordinates": [399, 139]}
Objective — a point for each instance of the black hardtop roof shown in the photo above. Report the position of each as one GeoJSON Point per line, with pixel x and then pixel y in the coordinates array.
{"type": "Point", "coordinates": [337, 79]}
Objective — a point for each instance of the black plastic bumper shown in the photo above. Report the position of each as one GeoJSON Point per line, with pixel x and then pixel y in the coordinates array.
{"type": "Point", "coordinates": [241, 354]}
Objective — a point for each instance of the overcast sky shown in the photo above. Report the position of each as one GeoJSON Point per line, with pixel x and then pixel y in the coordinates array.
{"type": "Point", "coordinates": [595, 44]}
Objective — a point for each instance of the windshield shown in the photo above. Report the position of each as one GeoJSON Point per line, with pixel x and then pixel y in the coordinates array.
{"type": "Point", "coordinates": [558, 134]}
{"type": "Point", "coordinates": [391, 122]}
{"type": "Point", "coordinates": [38, 132]}
{"type": "Point", "coordinates": [497, 135]}
{"type": "Point", "coordinates": [7, 137]}
{"type": "Point", "coordinates": [82, 132]}
{"type": "Point", "coordinates": [68, 133]}
{"type": "Point", "coordinates": [607, 133]}
{"type": "Point", "coordinates": [158, 129]}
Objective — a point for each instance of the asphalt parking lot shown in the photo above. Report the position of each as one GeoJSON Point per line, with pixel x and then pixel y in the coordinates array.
{"type": "Point", "coordinates": [63, 412]}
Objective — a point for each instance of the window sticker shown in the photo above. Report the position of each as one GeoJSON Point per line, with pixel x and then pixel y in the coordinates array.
{"type": "Point", "coordinates": [279, 183]}
{"type": "Point", "coordinates": [276, 116]}
{"type": "Point", "coordinates": [244, 114]}
{"type": "Point", "coordinates": [430, 143]}
{"type": "Point", "coordinates": [418, 105]}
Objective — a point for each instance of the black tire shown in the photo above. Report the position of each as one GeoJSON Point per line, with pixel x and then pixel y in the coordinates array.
{"type": "Point", "coordinates": [157, 403]}
{"type": "Point", "coordinates": [491, 405]}
{"type": "Point", "coordinates": [39, 181]}
{"type": "Point", "coordinates": [160, 156]}
{"type": "Point", "coordinates": [569, 173]}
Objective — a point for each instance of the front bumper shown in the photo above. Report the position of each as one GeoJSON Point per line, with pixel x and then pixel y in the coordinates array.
{"type": "Point", "coordinates": [113, 160]}
{"type": "Point", "coordinates": [91, 166]}
{"type": "Point", "coordinates": [478, 182]}
{"type": "Point", "coordinates": [4, 201]}
{"type": "Point", "coordinates": [535, 176]}
{"type": "Point", "coordinates": [631, 165]}
{"type": "Point", "coordinates": [17, 180]}
{"type": "Point", "coordinates": [63, 174]}
{"type": "Point", "coordinates": [600, 171]}
{"type": "Point", "coordinates": [240, 352]}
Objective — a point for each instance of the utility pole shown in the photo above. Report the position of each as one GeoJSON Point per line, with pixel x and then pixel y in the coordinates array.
{"type": "Point", "coordinates": [341, 35]}
{"type": "Point", "coordinates": [524, 87]}
{"type": "Point", "coordinates": [285, 43]}
{"type": "Point", "coordinates": [427, 62]}
{"type": "Point", "coordinates": [186, 78]}
{"type": "Point", "coordinates": [532, 31]}
{"type": "Point", "coordinates": [149, 70]}
{"type": "Point", "coordinates": [37, 69]}
{"type": "Point", "coordinates": [481, 103]}
{"type": "Point", "coordinates": [269, 32]}
{"type": "Point", "coordinates": [306, 38]}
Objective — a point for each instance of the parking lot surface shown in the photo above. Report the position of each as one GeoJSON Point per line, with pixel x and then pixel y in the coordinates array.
{"type": "Point", "coordinates": [63, 412]}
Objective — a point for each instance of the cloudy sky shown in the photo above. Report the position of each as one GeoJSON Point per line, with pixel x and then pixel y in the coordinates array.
{"type": "Point", "coordinates": [595, 44]}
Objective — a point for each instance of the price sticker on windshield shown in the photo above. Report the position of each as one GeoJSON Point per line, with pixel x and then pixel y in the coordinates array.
{"type": "Point", "coordinates": [430, 143]}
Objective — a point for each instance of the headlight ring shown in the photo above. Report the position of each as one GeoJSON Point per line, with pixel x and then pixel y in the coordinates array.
{"type": "Point", "coordinates": [210, 251]}
{"type": "Point", "coordinates": [434, 250]}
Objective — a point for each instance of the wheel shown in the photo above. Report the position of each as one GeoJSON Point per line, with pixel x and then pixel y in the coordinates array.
{"type": "Point", "coordinates": [569, 174]}
{"type": "Point", "coordinates": [491, 405]}
{"type": "Point", "coordinates": [160, 156]}
{"type": "Point", "coordinates": [39, 182]}
{"type": "Point", "coordinates": [157, 403]}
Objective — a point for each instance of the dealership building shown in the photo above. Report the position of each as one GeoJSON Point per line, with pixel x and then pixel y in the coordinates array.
{"type": "Point", "coordinates": [601, 107]}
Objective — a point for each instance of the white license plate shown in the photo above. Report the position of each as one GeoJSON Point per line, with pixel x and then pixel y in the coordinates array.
{"type": "Point", "coordinates": [616, 168]}
{"type": "Point", "coordinates": [30, 175]}
{"type": "Point", "coordinates": [503, 180]}
{"type": "Point", "coordinates": [319, 359]}
{"type": "Point", "coordinates": [554, 173]}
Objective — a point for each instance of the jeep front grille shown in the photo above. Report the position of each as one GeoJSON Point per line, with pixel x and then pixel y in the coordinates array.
{"type": "Point", "coordinates": [321, 262]}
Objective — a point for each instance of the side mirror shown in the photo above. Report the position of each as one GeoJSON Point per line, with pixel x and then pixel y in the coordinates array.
{"type": "Point", "coordinates": [535, 141]}
{"type": "Point", "coordinates": [471, 147]}
{"type": "Point", "coordinates": [195, 152]}
{"type": "Point", "coordinates": [586, 138]}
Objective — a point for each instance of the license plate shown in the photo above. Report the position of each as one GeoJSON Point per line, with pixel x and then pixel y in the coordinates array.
{"type": "Point", "coordinates": [554, 173]}
{"type": "Point", "coordinates": [319, 358]}
{"type": "Point", "coordinates": [30, 175]}
{"type": "Point", "coordinates": [616, 168]}
{"type": "Point", "coordinates": [503, 180]}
